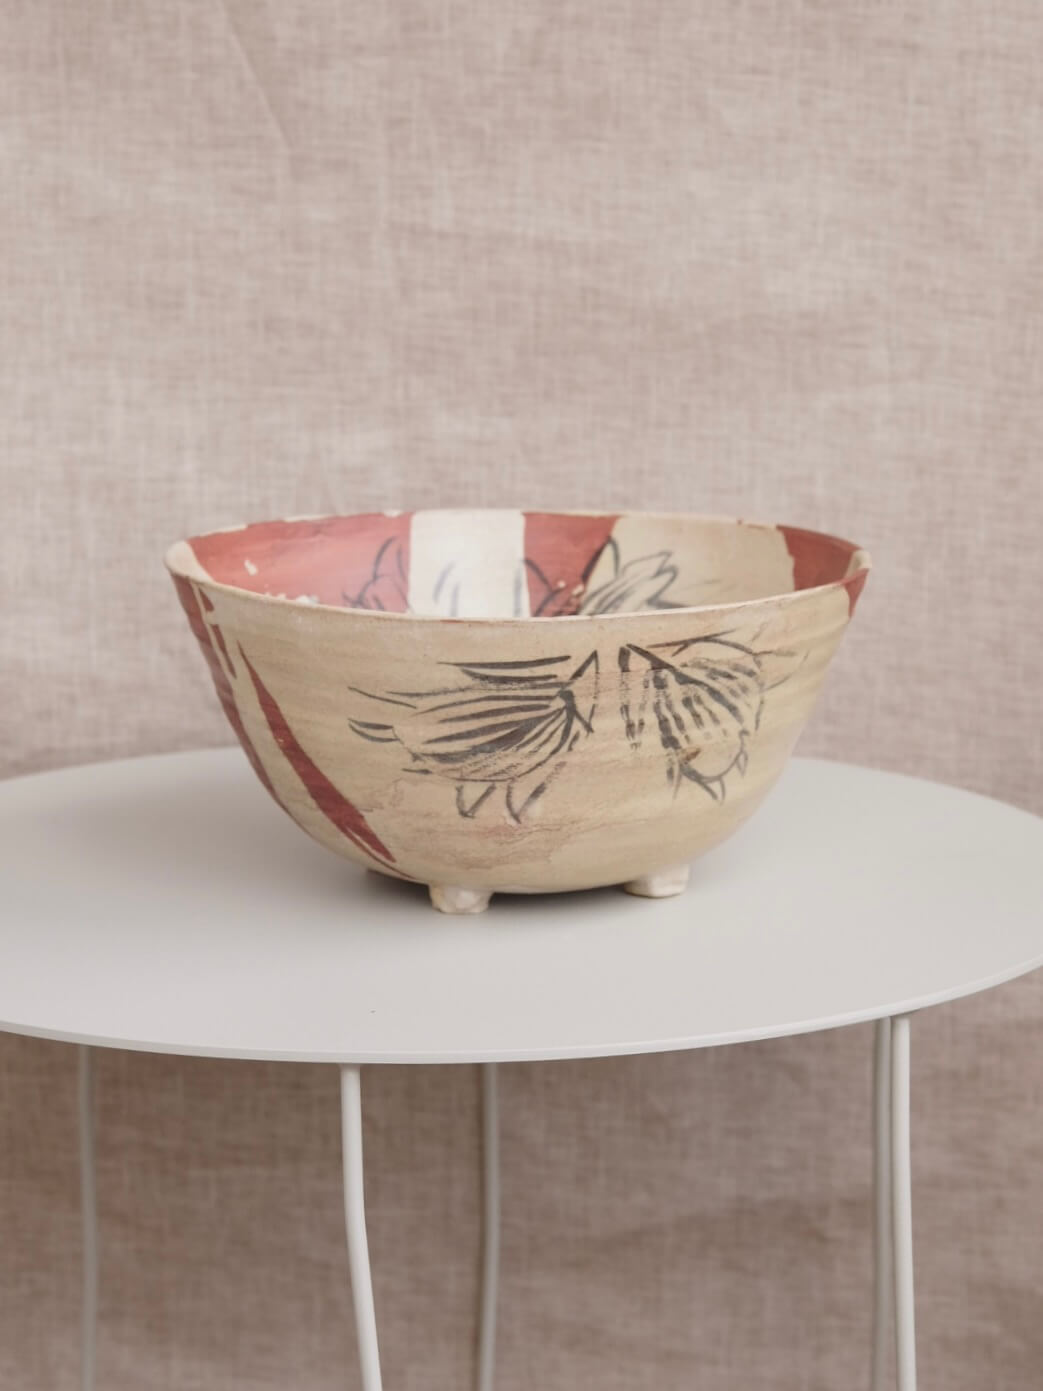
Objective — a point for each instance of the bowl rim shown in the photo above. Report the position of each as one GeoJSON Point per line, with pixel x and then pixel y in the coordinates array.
{"type": "Point", "coordinates": [180, 552]}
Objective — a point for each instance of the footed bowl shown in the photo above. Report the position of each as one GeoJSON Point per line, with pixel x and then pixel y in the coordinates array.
{"type": "Point", "coordinates": [518, 702]}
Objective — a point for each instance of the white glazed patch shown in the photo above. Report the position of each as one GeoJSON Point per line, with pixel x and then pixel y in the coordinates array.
{"type": "Point", "coordinates": [468, 564]}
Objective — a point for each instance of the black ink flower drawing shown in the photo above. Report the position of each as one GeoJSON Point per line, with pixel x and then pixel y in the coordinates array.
{"type": "Point", "coordinates": [387, 587]}
{"type": "Point", "coordinates": [703, 698]}
{"type": "Point", "coordinates": [641, 583]}
{"type": "Point", "coordinates": [623, 586]}
{"type": "Point", "coordinates": [501, 725]}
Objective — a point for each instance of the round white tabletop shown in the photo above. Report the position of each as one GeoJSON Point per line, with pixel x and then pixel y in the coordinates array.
{"type": "Point", "coordinates": [165, 904]}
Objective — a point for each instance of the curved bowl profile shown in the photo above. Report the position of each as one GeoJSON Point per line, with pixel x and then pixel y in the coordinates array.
{"type": "Point", "coordinates": [501, 701]}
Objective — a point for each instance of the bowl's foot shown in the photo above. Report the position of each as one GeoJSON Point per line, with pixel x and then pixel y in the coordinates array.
{"type": "Point", "coordinates": [664, 883]}
{"type": "Point", "coordinates": [451, 898]}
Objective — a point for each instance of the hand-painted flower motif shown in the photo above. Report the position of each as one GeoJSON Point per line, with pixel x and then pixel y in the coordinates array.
{"type": "Point", "coordinates": [704, 697]}
{"type": "Point", "coordinates": [509, 725]}
{"type": "Point", "coordinates": [618, 587]}
{"type": "Point", "coordinates": [641, 583]}
{"type": "Point", "coordinates": [387, 587]}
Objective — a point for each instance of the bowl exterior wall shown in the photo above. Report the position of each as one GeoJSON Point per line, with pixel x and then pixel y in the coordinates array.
{"type": "Point", "coordinates": [538, 756]}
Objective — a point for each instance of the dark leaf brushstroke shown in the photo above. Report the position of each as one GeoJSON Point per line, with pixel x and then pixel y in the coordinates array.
{"type": "Point", "coordinates": [510, 720]}
{"type": "Point", "coordinates": [637, 584]}
{"type": "Point", "coordinates": [704, 697]}
{"type": "Point", "coordinates": [387, 586]}
{"type": "Point", "coordinates": [560, 549]}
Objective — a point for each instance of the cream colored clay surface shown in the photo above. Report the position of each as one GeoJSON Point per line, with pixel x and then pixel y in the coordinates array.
{"type": "Point", "coordinates": [602, 811]}
{"type": "Point", "coordinates": [722, 564]}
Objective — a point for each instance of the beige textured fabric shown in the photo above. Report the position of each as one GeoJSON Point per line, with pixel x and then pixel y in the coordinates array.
{"type": "Point", "coordinates": [782, 260]}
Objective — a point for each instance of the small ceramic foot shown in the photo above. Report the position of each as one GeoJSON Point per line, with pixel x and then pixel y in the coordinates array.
{"type": "Point", "coordinates": [451, 898]}
{"type": "Point", "coordinates": [664, 883]}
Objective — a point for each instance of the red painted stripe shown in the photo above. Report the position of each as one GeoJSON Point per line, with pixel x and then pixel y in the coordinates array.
{"type": "Point", "coordinates": [192, 601]}
{"type": "Point", "coordinates": [820, 559]}
{"type": "Point", "coordinates": [561, 552]}
{"type": "Point", "coordinates": [220, 639]}
{"type": "Point", "coordinates": [330, 801]}
{"type": "Point", "coordinates": [360, 561]}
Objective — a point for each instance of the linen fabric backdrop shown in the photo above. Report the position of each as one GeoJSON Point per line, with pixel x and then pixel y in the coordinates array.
{"type": "Point", "coordinates": [779, 260]}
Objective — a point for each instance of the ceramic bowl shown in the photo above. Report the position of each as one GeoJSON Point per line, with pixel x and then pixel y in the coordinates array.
{"type": "Point", "coordinates": [518, 702]}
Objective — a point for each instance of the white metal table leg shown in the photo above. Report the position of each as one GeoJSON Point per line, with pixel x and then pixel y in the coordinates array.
{"type": "Point", "coordinates": [355, 1226]}
{"type": "Point", "coordinates": [883, 1261]}
{"type": "Point", "coordinates": [902, 1205]}
{"type": "Point", "coordinates": [490, 1227]}
{"type": "Point", "coordinates": [88, 1221]}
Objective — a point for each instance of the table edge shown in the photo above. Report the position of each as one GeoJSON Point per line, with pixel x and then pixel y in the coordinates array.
{"type": "Point", "coordinates": [559, 1054]}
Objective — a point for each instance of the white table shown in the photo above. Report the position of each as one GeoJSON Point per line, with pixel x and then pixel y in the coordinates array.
{"type": "Point", "coordinates": [165, 904]}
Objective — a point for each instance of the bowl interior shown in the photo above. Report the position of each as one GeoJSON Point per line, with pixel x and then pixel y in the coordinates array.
{"type": "Point", "coordinates": [512, 564]}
